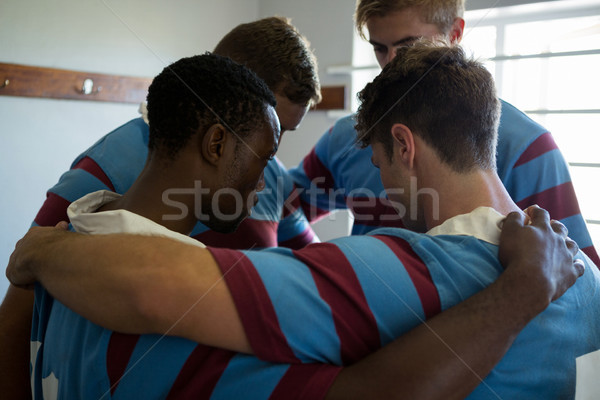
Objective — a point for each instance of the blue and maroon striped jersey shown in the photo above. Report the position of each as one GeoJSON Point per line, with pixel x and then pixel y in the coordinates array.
{"type": "Point", "coordinates": [108, 365]}
{"type": "Point", "coordinates": [72, 358]}
{"type": "Point", "coordinates": [115, 161]}
{"type": "Point", "coordinates": [338, 174]}
{"type": "Point", "coordinates": [338, 301]}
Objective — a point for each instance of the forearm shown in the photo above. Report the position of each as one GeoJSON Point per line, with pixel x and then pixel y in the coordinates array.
{"type": "Point", "coordinates": [450, 354]}
{"type": "Point", "coordinates": [15, 330]}
{"type": "Point", "coordinates": [138, 284]}
{"type": "Point", "coordinates": [90, 277]}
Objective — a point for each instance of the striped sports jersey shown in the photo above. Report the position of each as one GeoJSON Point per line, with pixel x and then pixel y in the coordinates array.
{"type": "Point", "coordinates": [73, 358]}
{"type": "Point", "coordinates": [335, 302]}
{"type": "Point", "coordinates": [115, 161]}
{"type": "Point", "coordinates": [338, 174]}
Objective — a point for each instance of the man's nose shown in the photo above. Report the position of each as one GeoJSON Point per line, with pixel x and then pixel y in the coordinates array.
{"type": "Point", "coordinates": [391, 54]}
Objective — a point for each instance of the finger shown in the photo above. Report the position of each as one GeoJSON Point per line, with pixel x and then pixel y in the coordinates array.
{"type": "Point", "coordinates": [18, 244]}
{"type": "Point", "coordinates": [64, 225]}
{"type": "Point", "coordinates": [579, 266]}
{"type": "Point", "coordinates": [559, 228]}
{"type": "Point", "coordinates": [538, 215]}
{"type": "Point", "coordinates": [512, 221]}
{"type": "Point", "coordinates": [572, 246]}
{"type": "Point", "coordinates": [527, 212]}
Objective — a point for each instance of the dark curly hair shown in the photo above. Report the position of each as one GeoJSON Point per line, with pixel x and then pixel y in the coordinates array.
{"type": "Point", "coordinates": [196, 92]}
{"type": "Point", "coordinates": [446, 98]}
{"type": "Point", "coordinates": [274, 49]}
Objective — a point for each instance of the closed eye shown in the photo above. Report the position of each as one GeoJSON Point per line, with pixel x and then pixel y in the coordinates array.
{"type": "Point", "coordinates": [380, 49]}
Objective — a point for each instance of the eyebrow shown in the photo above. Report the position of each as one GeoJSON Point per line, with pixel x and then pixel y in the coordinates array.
{"type": "Point", "coordinates": [397, 42]}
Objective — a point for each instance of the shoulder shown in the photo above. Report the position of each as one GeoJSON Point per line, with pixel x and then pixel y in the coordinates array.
{"type": "Point", "coordinates": [344, 127]}
{"type": "Point", "coordinates": [515, 122]}
{"type": "Point", "coordinates": [127, 140]}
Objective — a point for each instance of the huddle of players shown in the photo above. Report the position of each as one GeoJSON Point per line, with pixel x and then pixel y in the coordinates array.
{"type": "Point", "coordinates": [279, 218]}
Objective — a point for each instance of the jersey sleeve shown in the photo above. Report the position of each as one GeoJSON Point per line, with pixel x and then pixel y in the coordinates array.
{"type": "Point", "coordinates": [246, 377]}
{"type": "Point", "coordinates": [113, 163]}
{"type": "Point", "coordinates": [85, 176]}
{"type": "Point", "coordinates": [314, 176]}
{"type": "Point", "coordinates": [305, 381]}
{"type": "Point", "coordinates": [534, 171]}
{"type": "Point", "coordinates": [329, 302]}
{"type": "Point", "coordinates": [180, 369]}
{"type": "Point", "coordinates": [294, 230]}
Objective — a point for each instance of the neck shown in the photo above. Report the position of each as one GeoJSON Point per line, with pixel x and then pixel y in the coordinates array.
{"type": "Point", "coordinates": [159, 196]}
{"type": "Point", "coordinates": [462, 193]}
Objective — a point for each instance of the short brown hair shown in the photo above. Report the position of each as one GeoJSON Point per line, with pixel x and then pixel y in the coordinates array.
{"type": "Point", "coordinates": [275, 50]}
{"type": "Point", "coordinates": [446, 98]}
{"type": "Point", "coordinates": [438, 12]}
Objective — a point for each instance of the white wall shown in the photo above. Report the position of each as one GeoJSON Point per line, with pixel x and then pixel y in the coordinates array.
{"type": "Point", "coordinates": [40, 137]}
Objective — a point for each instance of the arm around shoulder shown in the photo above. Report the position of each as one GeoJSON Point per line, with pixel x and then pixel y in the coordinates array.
{"type": "Point", "coordinates": [132, 284]}
{"type": "Point", "coordinates": [449, 355]}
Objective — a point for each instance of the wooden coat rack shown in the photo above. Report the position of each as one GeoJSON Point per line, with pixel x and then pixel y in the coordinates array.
{"type": "Point", "coordinates": [30, 81]}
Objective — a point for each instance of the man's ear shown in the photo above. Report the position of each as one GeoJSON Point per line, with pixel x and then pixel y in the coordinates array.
{"type": "Point", "coordinates": [213, 143]}
{"type": "Point", "coordinates": [456, 32]}
{"type": "Point", "coordinates": [404, 144]}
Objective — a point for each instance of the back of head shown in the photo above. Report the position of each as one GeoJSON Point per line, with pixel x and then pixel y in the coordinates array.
{"type": "Point", "coordinates": [279, 54]}
{"type": "Point", "coordinates": [196, 92]}
{"type": "Point", "coordinates": [446, 98]}
{"type": "Point", "coordinates": [438, 12]}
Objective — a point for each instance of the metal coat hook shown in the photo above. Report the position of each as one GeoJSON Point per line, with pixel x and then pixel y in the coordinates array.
{"type": "Point", "coordinates": [5, 84]}
{"type": "Point", "coordinates": [88, 87]}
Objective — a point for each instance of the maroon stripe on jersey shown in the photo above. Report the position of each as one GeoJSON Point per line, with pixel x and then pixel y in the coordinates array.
{"type": "Point", "coordinates": [120, 348]}
{"type": "Point", "coordinates": [317, 172]}
{"type": "Point", "coordinates": [560, 201]}
{"type": "Point", "coordinates": [418, 272]}
{"type": "Point", "coordinates": [339, 286]}
{"type": "Point", "coordinates": [299, 241]}
{"type": "Point", "coordinates": [374, 211]}
{"type": "Point", "coordinates": [539, 146]}
{"type": "Point", "coordinates": [254, 306]}
{"type": "Point", "coordinates": [89, 165]}
{"type": "Point", "coordinates": [252, 233]}
{"type": "Point", "coordinates": [200, 373]}
{"type": "Point", "coordinates": [305, 381]}
{"type": "Point", "coordinates": [53, 210]}
{"type": "Point", "coordinates": [292, 203]}
{"type": "Point", "coordinates": [312, 212]}
{"type": "Point", "coordinates": [590, 251]}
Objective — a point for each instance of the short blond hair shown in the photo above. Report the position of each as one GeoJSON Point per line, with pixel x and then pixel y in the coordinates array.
{"type": "Point", "coordinates": [439, 12]}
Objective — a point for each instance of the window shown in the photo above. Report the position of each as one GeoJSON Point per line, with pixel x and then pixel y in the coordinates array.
{"type": "Point", "coordinates": [545, 58]}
